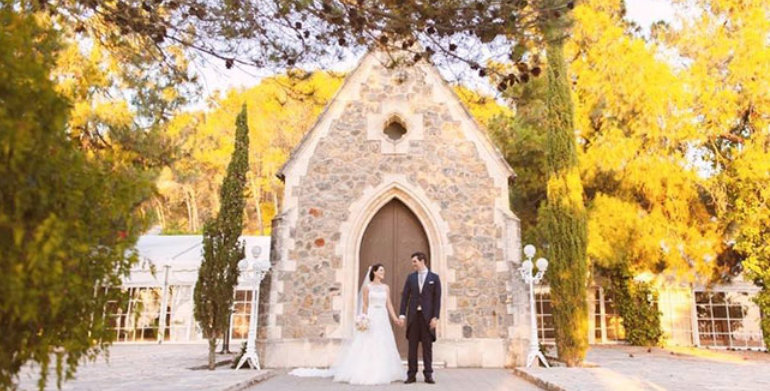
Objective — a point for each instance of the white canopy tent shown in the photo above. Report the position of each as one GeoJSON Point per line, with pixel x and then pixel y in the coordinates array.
{"type": "Point", "coordinates": [161, 286]}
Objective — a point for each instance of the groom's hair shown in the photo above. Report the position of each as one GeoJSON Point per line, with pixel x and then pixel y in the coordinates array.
{"type": "Point", "coordinates": [376, 267]}
{"type": "Point", "coordinates": [420, 256]}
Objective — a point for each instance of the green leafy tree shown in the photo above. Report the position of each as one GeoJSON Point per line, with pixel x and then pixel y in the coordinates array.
{"type": "Point", "coordinates": [564, 215]}
{"type": "Point", "coordinates": [222, 248]}
{"type": "Point", "coordinates": [68, 218]}
{"type": "Point", "coordinates": [522, 143]}
{"type": "Point", "coordinates": [267, 33]}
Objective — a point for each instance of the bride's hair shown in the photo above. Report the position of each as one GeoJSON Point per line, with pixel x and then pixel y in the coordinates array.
{"type": "Point", "coordinates": [376, 267]}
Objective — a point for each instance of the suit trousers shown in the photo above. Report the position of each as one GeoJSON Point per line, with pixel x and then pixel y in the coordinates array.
{"type": "Point", "coordinates": [419, 332]}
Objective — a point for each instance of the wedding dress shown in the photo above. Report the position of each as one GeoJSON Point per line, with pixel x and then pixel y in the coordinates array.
{"type": "Point", "coordinates": [371, 356]}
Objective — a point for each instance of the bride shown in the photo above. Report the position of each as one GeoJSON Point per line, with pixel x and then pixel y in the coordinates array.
{"type": "Point", "coordinates": [371, 356]}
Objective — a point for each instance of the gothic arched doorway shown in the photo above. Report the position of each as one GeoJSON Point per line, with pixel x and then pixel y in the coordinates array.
{"type": "Point", "coordinates": [391, 237]}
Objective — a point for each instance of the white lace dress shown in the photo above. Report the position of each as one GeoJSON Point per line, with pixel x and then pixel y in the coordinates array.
{"type": "Point", "coordinates": [371, 357]}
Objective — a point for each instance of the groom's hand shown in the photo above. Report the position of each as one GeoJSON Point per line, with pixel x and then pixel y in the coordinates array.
{"type": "Point", "coordinates": [433, 323]}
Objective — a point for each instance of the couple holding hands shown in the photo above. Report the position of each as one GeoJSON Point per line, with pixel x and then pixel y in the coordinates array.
{"type": "Point", "coordinates": [371, 357]}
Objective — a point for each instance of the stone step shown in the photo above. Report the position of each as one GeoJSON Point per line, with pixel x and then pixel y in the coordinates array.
{"type": "Point", "coordinates": [436, 364]}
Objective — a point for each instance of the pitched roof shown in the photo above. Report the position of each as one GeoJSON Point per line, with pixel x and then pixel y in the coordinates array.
{"type": "Point", "coordinates": [347, 84]}
{"type": "Point", "coordinates": [187, 250]}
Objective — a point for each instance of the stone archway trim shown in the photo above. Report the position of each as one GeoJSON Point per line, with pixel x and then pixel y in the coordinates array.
{"type": "Point", "coordinates": [352, 230]}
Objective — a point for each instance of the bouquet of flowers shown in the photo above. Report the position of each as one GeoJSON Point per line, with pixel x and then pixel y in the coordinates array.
{"type": "Point", "coordinates": [362, 322]}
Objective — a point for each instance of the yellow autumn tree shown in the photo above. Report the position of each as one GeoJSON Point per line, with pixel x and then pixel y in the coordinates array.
{"type": "Point", "coordinates": [485, 109]}
{"type": "Point", "coordinates": [638, 143]}
{"type": "Point", "coordinates": [280, 110]}
{"type": "Point", "coordinates": [637, 135]}
{"type": "Point", "coordinates": [724, 48]}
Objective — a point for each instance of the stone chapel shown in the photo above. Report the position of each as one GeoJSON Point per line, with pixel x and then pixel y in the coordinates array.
{"type": "Point", "coordinates": [395, 164]}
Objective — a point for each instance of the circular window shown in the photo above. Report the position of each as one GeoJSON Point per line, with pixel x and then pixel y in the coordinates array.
{"type": "Point", "coordinates": [395, 130]}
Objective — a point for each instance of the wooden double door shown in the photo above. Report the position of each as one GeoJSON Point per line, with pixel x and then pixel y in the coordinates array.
{"type": "Point", "coordinates": [393, 235]}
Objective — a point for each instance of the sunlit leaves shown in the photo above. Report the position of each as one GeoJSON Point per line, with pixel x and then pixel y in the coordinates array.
{"type": "Point", "coordinates": [729, 73]}
{"type": "Point", "coordinates": [636, 129]}
{"type": "Point", "coordinates": [280, 110]}
{"type": "Point", "coordinates": [68, 214]}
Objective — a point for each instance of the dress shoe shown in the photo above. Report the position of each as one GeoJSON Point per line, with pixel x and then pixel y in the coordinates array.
{"type": "Point", "coordinates": [410, 380]}
{"type": "Point", "coordinates": [430, 380]}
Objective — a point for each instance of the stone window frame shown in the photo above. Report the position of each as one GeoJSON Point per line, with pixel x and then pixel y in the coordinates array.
{"type": "Point", "coordinates": [400, 121]}
{"type": "Point", "coordinates": [410, 119]}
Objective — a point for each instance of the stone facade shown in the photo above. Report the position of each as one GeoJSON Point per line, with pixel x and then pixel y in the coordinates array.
{"type": "Point", "coordinates": [445, 170]}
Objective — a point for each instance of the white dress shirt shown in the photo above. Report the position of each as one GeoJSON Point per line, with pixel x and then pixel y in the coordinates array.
{"type": "Point", "coordinates": [421, 281]}
{"type": "Point", "coordinates": [421, 278]}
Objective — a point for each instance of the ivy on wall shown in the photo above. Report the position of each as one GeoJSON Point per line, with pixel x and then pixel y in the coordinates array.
{"type": "Point", "coordinates": [637, 305]}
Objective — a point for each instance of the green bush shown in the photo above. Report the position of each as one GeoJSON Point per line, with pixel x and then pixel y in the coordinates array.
{"type": "Point", "coordinates": [637, 305]}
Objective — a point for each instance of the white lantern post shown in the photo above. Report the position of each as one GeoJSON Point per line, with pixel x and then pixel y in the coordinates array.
{"type": "Point", "coordinates": [257, 270]}
{"type": "Point", "coordinates": [526, 270]}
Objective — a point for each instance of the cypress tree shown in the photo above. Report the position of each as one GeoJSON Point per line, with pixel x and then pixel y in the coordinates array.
{"type": "Point", "coordinates": [222, 248]}
{"type": "Point", "coordinates": [564, 215]}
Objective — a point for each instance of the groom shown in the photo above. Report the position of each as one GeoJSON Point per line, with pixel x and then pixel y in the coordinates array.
{"type": "Point", "coordinates": [422, 298]}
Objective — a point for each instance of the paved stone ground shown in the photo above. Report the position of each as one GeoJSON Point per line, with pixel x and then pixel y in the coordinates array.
{"type": "Point", "coordinates": [166, 367]}
{"type": "Point", "coordinates": [150, 368]}
{"type": "Point", "coordinates": [470, 379]}
{"type": "Point", "coordinates": [632, 368]}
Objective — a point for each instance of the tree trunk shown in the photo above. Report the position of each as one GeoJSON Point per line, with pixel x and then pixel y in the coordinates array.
{"type": "Point", "coordinates": [194, 205]}
{"type": "Point", "coordinates": [226, 337]}
{"type": "Point", "coordinates": [190, 226]}
{"type": "Point", "coordinates": [161, 215]}
{"type": "Point", "coordinates": [564, 216]}
{"type": "Point", "coordinates": [257, 198]}
{"type": "Point", "coordinates": [212, 353]}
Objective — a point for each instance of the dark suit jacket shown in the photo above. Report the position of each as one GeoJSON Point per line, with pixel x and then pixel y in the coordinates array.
{"type": "Point", "coordinates": [429, 299]}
